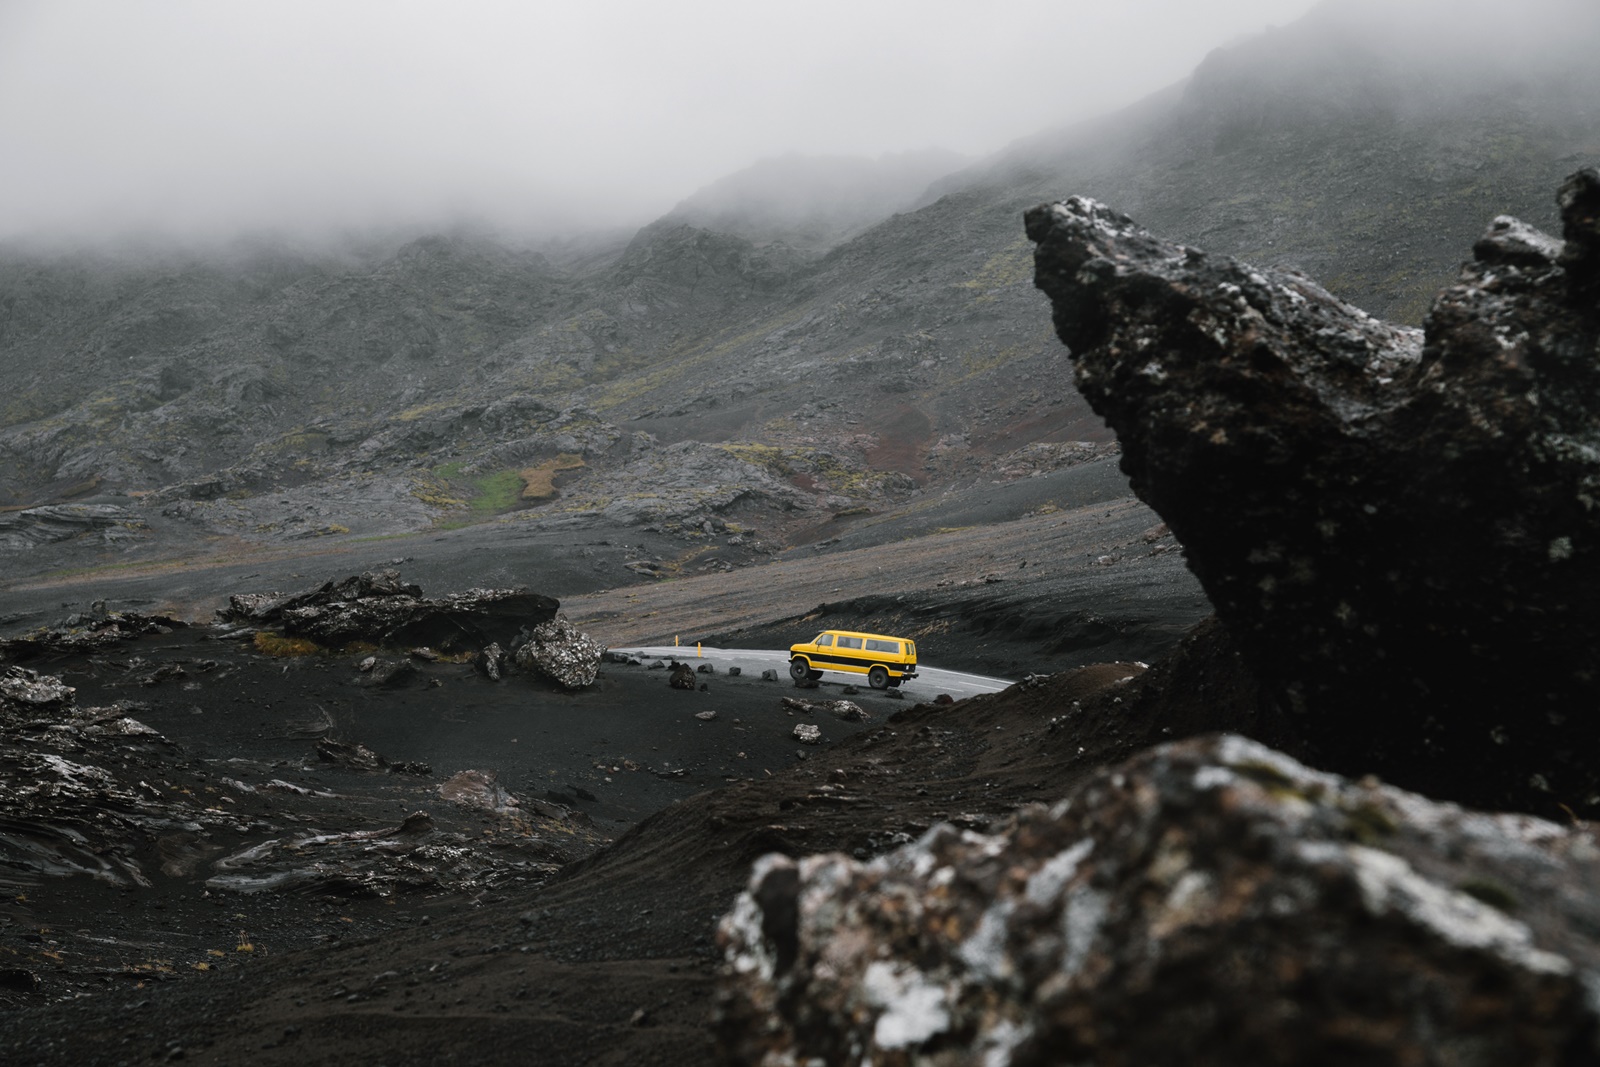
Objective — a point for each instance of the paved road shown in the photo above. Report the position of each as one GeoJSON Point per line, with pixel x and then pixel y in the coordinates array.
{"type": "Point", "coordinates": [929, 682]}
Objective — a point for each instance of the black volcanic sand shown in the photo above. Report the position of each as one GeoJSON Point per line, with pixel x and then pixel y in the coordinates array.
{"type": "Point", "coordinates": [613, 753]}
{"type": "Point", "coordinates": [614, 960]}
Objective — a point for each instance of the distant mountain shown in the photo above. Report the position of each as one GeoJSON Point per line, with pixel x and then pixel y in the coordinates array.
{"type": "Point", "coordinates": [1368, 144]}
{"type": "Point", "coordinates": [738, 361]}
{"type": "Point", "coordinates": [814, 202]}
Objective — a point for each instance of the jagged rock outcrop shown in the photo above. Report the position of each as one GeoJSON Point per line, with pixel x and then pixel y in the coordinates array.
{"type": "Point", "coordinates": [1210, 902]}
{"type": "Point", "coordinates": [88, 633]}
{"type": "Point", "coordinates": [1399, 529]}
{"type": "Point", "coordinates": [562, 652]}
{"type": "Point", "coordinates": [381, 609]}
{"type": "Point", "coordinates": [32, 527]}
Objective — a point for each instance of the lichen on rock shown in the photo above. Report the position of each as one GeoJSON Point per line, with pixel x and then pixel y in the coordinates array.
{"type": "Point", "coordinates": [1209, 902]}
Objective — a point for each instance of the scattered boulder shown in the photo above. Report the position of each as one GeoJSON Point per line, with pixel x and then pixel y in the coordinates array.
{"type": "Point", "coordinates": [808, 733]}
{"type": "Point", "coordinates": [682, 676]}
{"type": "Point", "coordinates": [480, 790]}
{"type": "Point", "coordinates": [734, 672]}
{"type": "Point", "coordinates": [30, 689]}
{"type": "Point", "coordinates": [706, 716]}
{"type": "Point", "coordinates": [807, 683]}
{"type": "Point", "coordinates": [167, 670]}
{"type": "Point", "coordinates": [705, 668]}
{"type": "Point", "coordinates": [1209, 902]}
{"type": "Point", "coordinates": [359, 757]}
{"type": "Point", "coordinates": [492, 661]}
{"type": "Point", "coordinates": [769, 675]}
{"type": "Point", "coordinates": [846, 710]}
{"type": "Point", "coordinates": [394, 674]}
{"type": "Point", "coordinates": [560, 651]}
{"type": "Point", "coordinates": [1398, 528]}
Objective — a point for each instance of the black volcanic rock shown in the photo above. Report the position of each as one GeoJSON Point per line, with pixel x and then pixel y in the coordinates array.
{"type": "Point", "coordinates": [1398, 529]}
{"type": "Point", "coordinates": [381, 609]}
{"type": "Point", "coordinates": [1210, 902]}
{"type": "Point", "coordinates": [562, 652]}
{"type": "Point", "coordinates": [88, 633]}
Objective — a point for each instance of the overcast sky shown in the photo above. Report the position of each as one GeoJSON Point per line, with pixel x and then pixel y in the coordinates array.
{"type": "Point", "coordinates": [210, 116]}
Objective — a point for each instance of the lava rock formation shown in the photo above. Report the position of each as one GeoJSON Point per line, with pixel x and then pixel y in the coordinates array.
{"type": "Point", "coordinates": [381, 609]}
{"type": "Point", "coordinates": [1397, 527]}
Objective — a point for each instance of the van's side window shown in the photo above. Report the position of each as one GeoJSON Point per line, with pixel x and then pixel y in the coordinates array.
{"type": "Point", "coordinates": [825, 639]}
{"type": "Point", "coordinates": [849, 642]}
{"type": "Point", "coordinates": [884, 646]}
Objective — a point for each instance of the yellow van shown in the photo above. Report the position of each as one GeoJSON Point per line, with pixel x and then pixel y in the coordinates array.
{"type": "Point", "coordinates": [886, 661]}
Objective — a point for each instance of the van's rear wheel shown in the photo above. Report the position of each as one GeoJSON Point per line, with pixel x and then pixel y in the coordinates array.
{"type": "Point", "coordinates": [799, 670]}
{"type": "Point", "coordinates": [878, 678]}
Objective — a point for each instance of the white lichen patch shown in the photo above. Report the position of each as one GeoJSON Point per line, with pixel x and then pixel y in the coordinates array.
{"type": "Point", "coordinates": [1190, 901]}
{"type": "Point", "coordinates": [984, 952]}
{"type": "Point", "coordinates": [1081, 921]}
{"type": "Point", "coordinates": [913, 1007]}
{"type": "Point", "coordinates": [1389, 885]}
{"type": "Point", "coordinates": [996, 1045]}
{"type": "Point", "coordinates": [1212, 777]}
{"type": "Point", "coordinates": [1046, 884]}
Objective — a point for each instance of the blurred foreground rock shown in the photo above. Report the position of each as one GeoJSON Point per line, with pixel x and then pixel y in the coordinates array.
{"type": "Point", "coordinates": [1398, 529]}
{"type": "Point", "coordinates": [1210, 902]}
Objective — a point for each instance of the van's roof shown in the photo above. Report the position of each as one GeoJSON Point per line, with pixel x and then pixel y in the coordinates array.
{"type": "Point", "coordinates": [863, 633]}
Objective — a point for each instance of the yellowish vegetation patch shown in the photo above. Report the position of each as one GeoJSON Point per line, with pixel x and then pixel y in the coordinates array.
{"type": "Point", "coordinates": [278, 645]}
{"type": "Point", "coordinates": [539, 483]}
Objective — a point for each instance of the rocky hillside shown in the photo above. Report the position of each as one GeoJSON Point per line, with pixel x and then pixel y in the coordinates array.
{"type": "Point", "coordinates": [710, 379]}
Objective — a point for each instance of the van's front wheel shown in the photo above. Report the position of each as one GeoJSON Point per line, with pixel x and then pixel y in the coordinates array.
{"type": "Point", "coordinates": [799, 669]}
{"type": "Point", "coordinates": [878, 678]}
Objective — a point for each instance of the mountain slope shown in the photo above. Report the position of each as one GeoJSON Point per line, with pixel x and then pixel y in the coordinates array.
{"type": "Point", "coordinates": [698, 378]}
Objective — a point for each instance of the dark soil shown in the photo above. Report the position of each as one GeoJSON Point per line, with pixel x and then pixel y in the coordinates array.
{"type": "Point", "coordinates": [613, 960]}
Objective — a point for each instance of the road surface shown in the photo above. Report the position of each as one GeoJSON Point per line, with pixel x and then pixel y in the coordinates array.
{"type": "Point", "coordinates": [929, 682]}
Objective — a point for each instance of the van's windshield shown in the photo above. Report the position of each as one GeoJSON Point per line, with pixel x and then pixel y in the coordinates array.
{"type": "Point", "coordinates": [823, 639]}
